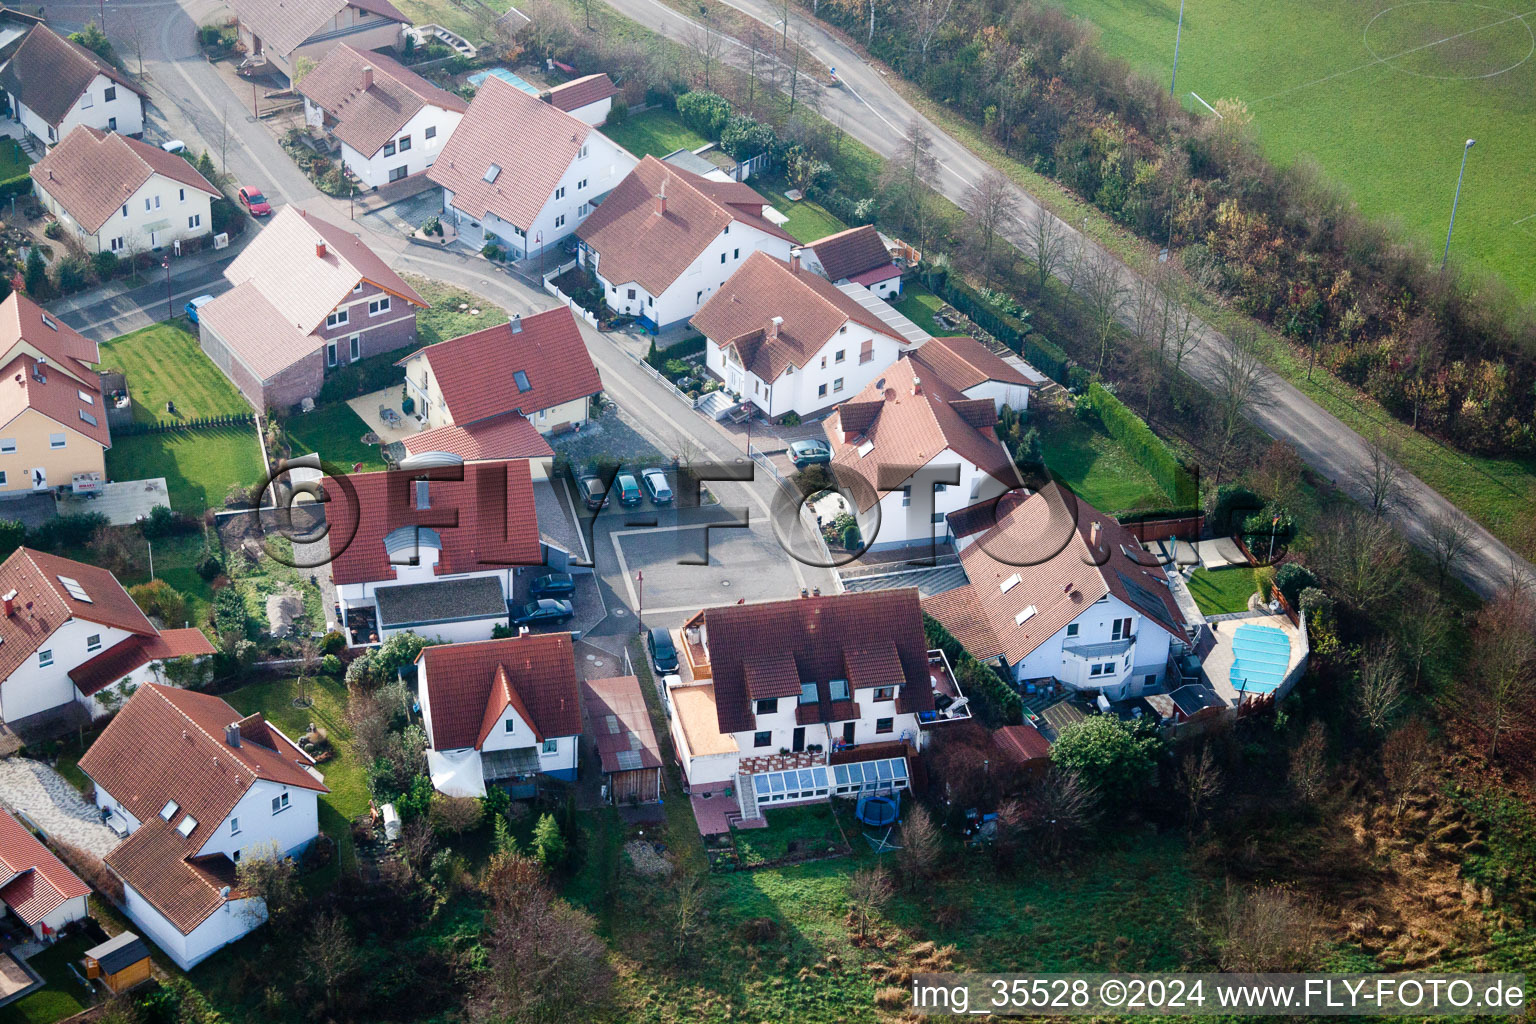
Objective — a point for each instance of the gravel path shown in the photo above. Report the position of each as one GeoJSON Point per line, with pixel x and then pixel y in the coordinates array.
{"type": "Point", "coordinates": [53, 805]}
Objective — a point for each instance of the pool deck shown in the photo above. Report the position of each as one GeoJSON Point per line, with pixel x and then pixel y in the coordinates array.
{"type": "Point", "coordinates": [1217, 664]}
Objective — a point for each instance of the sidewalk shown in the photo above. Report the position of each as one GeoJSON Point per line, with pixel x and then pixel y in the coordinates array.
{"type": "Point", "coordinates": [120, 287]}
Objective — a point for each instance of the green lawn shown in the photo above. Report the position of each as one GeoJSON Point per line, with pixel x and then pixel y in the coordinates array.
{"type": "Point", "coordinates": [1095, 466]}
{"type": "Point", "coordinates": [808, 221]}
{"type": "Point", "coordinates": [801, 831]}
{"type": "Point", "coordinates": [13, 161]}
{"type": "Point", "coordinates": [445, 320]}
{"type": "Point", "coordinates": [654, 133]}
{"type": "Point", "coordinates": [471, 19]}
{"type": "Point", "coordinates": [336, 432]}
{"type": "Point", "coordinates": [198, 465]}
{"type": "Point", "coordinates": [344, 774]}
{"type": "Point", "coordinates": [1391, 130]}
{"type": "Point", "coordinates": [1223, 591]}
{"type": "Point", "coordinates": [918, 304]}
{"type": "Point", "coordinates": [64, 996]}
{"type": "Point", "coordinates": [164, 363]}
{"type": "Point", "coordinates": [176, 560]}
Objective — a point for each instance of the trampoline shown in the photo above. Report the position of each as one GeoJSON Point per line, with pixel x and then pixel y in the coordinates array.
{"type": "Point", "coordinates": [877, 809]}
{"type": "Point", "coordinates": [1260, 656]}
{"type": "Point", "coordinates": [478, 79]}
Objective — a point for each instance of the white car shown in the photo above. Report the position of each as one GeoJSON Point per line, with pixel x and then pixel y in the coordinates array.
{"type": "Point", "coordinates": [656, 482]}
{"type": "Point", "coordinates": [173, 146]}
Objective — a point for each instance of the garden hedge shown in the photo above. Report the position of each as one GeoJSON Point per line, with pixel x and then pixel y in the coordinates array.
{"type": "Point", "coordinates": [995, 701]}
{"type": "Point", "coordinates": [1144, 446]}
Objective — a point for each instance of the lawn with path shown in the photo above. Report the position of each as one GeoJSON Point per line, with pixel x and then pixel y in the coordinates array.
{"type": "Point", "coordinates": [164, 363]}
{"type": "Point", "coordinates": [807, 221]}
{"type": "Point", "coordinates": [918, 304]}
{"type": "Point", "coordinates": [198, 465]}
{"type": "Point", "coordinates": [1225, 590]}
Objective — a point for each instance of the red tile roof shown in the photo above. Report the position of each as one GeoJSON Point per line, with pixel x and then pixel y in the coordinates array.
{"type": "Point", "coordinates": [39, 883]}
{"type": "Point", "coordinates": [368, 118]}
{"type": "Point", "coordinates": [29, 334]}
{"type": "Point", "coordinates": [508, 436]}
{"type": "Point", "coordinates": [134, 653]}
{"type": "Point", "coordinates": [531, 141]}
{"type": "Point", "coordinates": [737, 316]}
{"type": "Point", "coordinates": [824, 636]}
{"type": "Point", "coordinates": [168, 744]}
{"type": "Point", "coordinates": [580, 92]}
{"type": "Point", "coordinates": [490, 533]}
{"type": "Point", "coordinates": [48, 73]}
{"type": "Point", "coordinates": [961, 614]}
{"type": "Point", "coordinates": [27, 327]}
{"type": "Point", "coordinates": [43, 604]}
{"type": "Point", "coordinates": [93, 173]}
{"type": "Point", "coordinates": [963, 363]}
{"type": "Point", "coordinates": [851, 252]}
{"type": "Point", "coordinates": [283, 25]}
{"type": "Point", "coordinates": [911, 415]}
{"type": "Point", "coordinates": [1022, 744]}
{"type": "Point", "coordinates": [618, 721]}
{"type": "Point", "coordinates": [469, 685]}
{"type": "Point", "coordinates": [635, 242]}
{"type": "Point", "coordinates": [476, 372]}
{"type": "Point", "coordinates": [256, 332]}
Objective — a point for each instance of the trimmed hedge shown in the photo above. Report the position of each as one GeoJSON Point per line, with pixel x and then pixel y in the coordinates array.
{"type": "Point", "coordinates": [1047, 357]}
{"type": "Point", "coordinates": [1144, 446]}
{"type": "Point", "coordinates": [995, 701]}
{"type": "Point", "coordinates": [1009, 330]}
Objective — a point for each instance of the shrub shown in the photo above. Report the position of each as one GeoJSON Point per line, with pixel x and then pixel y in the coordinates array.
{"type": "Point", "coordinates": [160, 523]}
{"type": "Point", "coordinates": [54, 230]}
{"type": "Point", "coordinates": [209, 567]}
{"type": "Point", "coordinates": [36, 279]}
{"type": "Point", "coordinates": [1291, 579]}
{"type": "Point", "coordinates": [229, 617]}
{"type": "Point", "coordinates": [332, 643]}
{"type": "Point", "coordinates": [161, 600]}
{"type": "Point", "coordinates": [548, 842]}
{"type": "Point", "coordinates": [704, 112]}
{"type": "Point", "coordinates": [1144, 446]}
{"type": "Point", "coordinates": [744, 138]}
{"type": "Point", "coordinates": [330, 665]}
{"type": "Point", "coordinates": [618, 113]}
{"type": "Point", "coordinates": [13, 534]}
{"type": "Point", "coordinates": [1234, 503]}
{"type": "Point", "coordinates": [1117, 758]}
{"type": "Point", "coordinates": [1047, 357]}
{"type": "Point", "coordinates": [226, 217]}
{"type": "Point", "coordinates": [105, 265]}
{"type": "Point", "coordinates": [68, 531]}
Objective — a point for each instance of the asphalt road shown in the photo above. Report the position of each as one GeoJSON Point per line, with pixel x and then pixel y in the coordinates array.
{"type": "Point", "coordinates": [875, 114]}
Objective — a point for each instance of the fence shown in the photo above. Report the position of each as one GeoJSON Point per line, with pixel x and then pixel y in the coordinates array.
{"type": "Point", "coordinates": [572, 304]}
{"type": "Point", "coordinates": [1183, 527]}
{"type": "Point", "coordinates": [198, 423]}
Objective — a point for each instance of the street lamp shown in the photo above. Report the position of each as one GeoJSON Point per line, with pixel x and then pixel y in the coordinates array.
{"type": "Point", "coordinates": [1177, 35]}
{"type": "Point", "coordinates": [640, 599]}
{"type": "Point", "coordinates": [170, 311]}
{"type": "Point", "coordinates": [1464, 151]}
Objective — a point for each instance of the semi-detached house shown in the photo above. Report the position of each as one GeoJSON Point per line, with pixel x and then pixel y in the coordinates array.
{"type": "Point", "coordinates": [55, 86]}
{"type": "Point", "coordinates": [281, 31]}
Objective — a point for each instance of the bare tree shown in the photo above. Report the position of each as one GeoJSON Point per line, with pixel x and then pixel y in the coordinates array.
{"type": "Point", "coordinates": [925, 18]}
{"type": "Point", "coordinates": [1379, 686]}
{"type": "Point", "coordinates": [416, 843]}
{"type": "Point", "coordinates": [688, 907]}
{"type": "Point", "coordinates": [223, 140]}
{"type": "Point", "coordinates": [1503, 666]}
{"type": "Point", "coordinates": [1065, 806]}
{"type": "Point", "coordinates": [1267, 930]}
{"type": "Point", "coordinates": [921, 847]}
{"type": "Point", "coordinates": [869, 892]}
{"type": "Point", "coordinates": [991, 205]}
{"type": "Point", "coordinates": [1183, 322]}
{"type": "Point", "coordinates": [1242, 385]}
{"type": "Point", "coordinates": [1361, 555]}
{"type": "Point", "coordinates": [1096, 278]}
{"type": "Point", "coordinates": [330, 954]}
{"type": "Point", "coordinates": [1405, 762]}
{"type": "Point", "coordinates": [1450, 534]}
{"type": "Point", "coordinates": [1200, 781]}
{"type": "Point", "coordinates": [455, 815]}
{"type": "Point", "coordinates": [1421, 627]}
{"type": "Point", "coordinates": [1046, 245]}
{"type": "Point", "coordinates": [1309, 764]}
{"type": "Point", "coordinates": [1278, 473]}
{"type": "Point", "coordinates": [706, 42]}
{"type": "Point", "coordinates": [267, 876]}
{"type": "Point", "coordinates": [1379, 476]}
{"type": "Point", "coordinates": [907, 183]}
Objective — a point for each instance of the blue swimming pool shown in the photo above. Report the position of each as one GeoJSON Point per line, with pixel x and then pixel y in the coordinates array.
{"type": "Point", "coordinates": [479, 77]}
{"type": "Point", "coordinates": [1260, 655]}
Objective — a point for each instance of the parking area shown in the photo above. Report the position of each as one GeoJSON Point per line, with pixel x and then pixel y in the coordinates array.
{"type": "Point", "coordinates": [587, 601]}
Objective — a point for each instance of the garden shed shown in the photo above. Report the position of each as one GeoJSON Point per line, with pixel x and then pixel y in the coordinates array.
{"type": "Point", "coordinates": [120, 963]}
{"type": "Point", "coordinates": [620, 727]}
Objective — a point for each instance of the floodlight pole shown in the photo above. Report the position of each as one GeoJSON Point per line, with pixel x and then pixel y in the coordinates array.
{"type": "Point", "coordinates": [1454, 202]}
{"type": "Point", "coordinates": [1177, 35]}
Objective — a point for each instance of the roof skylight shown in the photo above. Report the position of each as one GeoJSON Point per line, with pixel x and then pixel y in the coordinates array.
{"type": "Point", "coordinates": [1025, 615]}
{"type": "Point", "coordinates": [169, 810]}
{"type": "Point", "coordinates": [187, 825]}
{"type": "Point", "coordinates": [1009, 583]}
{"type": "Point", "coordinates": [492, 172]}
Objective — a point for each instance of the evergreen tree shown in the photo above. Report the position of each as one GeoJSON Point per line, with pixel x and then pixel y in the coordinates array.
{"type": "Point", "coordinates": [548, 843]}
{"type": "Point", "coordinates": [37, 275]}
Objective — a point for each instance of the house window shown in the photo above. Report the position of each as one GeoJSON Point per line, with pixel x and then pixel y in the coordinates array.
{"type": "Point", "coordinates": [884, 725]}
{"type": "Point", "coordinates": [431, 131]}
{"type": "Point", "coordinates": [355, 343]}
{"type": "Point", "coordinates": [841, 353]}
{"type": "Point", "coordinates": [550, 747]}
{"type": "Point", "coordinates": [7, 445]}
{"type": "Point", "coordinates": [116, 244]}
{"type": "Point", "coordinates": [397, 173]}
{"type": "Point", "coordinates": [843, 329]}
{"type": "Point", "coordinates": [234, 826]}
{"type": "Point", "coordinates": [1071, 629]}
{"type": "Point", "coordinates": [560, 192]}
{"type": "Point", "coordinates": [44, 659]}
{"type": "Point", "coordinates": [867, 351]}
{"type": "Point", "coordinates": [111, 94]}
{"type": "Point", "coordinates": [111, 124]}
{"type": "Point", "coordinates": [87, 101]}
{"type": "Point", "coordinates": [182, 197]}
{"type": "Point", "coordinates": [520, 378]}
{"type": "Point", "coordinates": [330, 354]}
{"type": "Point", "coordinates": [631, 293]}
{"type": "Point", "coordinates": [837, 384]}
{"type": "Point", "coordinates": [1122, 629]}
{"type": "Point", "coordinates": [195, 221]}
{"type": "Point", "coordinates": [125, 209]}
{"type": "Point", "coordinates": [510, 725]}
{"type": "Point", "coordinates": [560, 221]}
{"type": "Point", "coordinates": [736, 255]}
{"type": "Point", "coordinates": [2, 478]}
{"type": "Point", "coordinates": [885, 693]}
{"type": "Point", "coordinates": [808, 693]}
{"type": "Point", "coordinates": [389, 149]}
{"type": "Point", "coordinates": [768, 706]}
{"type": "Point", "coordinates": [280, 804]}
{"type": "Point", "coordinates": [821, 391]}
{"type": "Point", "coordinates": [56, 440]}
{"type": "Point", "coordinates": [169, 810]}
{"type": "Point", "coordinates": [583, 209]}
{"type": "Point", "coordinates": [762, 739]}
{"type": "Point", "coordinates": [839, 688]}
{"type": "Point", "coordinates": [937, 517]}
{"type": "Point", "coordinates": [581, 184]}
{"type": "Point", "coordinates": [906, 496]}
{"type": "Point", "coordinates": [405, 143]}
{"type": "Point", "coordinates": [722, 257]}
{"type": "Point", "coordinates": [53, 136]}
{"type": "Point", "coordinates": [377, 306]}
{"type": "Point", "coordinates": [93, 642]}
{"type": "Point", "coordinates": [357, 289]}
{"type": "Point", "coordinates": [698, 296]}
{"type": "Point", "coordinates": [584, 150]}
{"type": "Point", "coordinates": [338, 318]}
{"type": "Point", "coordinates": [1105, 669]}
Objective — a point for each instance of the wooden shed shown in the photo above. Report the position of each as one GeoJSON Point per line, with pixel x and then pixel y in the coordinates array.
{"type": "Point", "coordinates": [620, 726]}
{"type": "Point", "coordinates": [121, 962]}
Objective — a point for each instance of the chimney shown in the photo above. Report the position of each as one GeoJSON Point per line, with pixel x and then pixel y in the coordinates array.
{"type": "Point", "coordinates": [1093, 535]}
{"type": "Point", "coordinates": [773, 328]}
{"type": "Point", "coordinates": [10, 603]}
{"type": "Point", "coordinates": [320, 250]}
{"type": "Point", "coordinates": [917, 385]}
{"type": "Point", "coordinates": [367, 77]}
{"type": "Point", "coordinates": [516, 323]}
{"type": "Point", "coordinates": [661, 199]}
{"type": "Point", "coordinates": [794, 262]}
{"type": "Point", "coordinates": [232, 734]}
{"type": "Point", "coordinates": [547, 96]}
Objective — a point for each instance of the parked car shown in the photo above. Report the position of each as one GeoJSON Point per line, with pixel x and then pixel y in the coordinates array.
{"type": "Point", "coordinates": [253, 200]}
{"type": "Point", "coordinates": [809, 453]}
{"type": "Point", "coordinates": [195, 305]}
{"type": "Point", "coordinates": [656, 484]}
{"type": "Point", "coordinates": [593, 494]}
{"type": "Point", "coordinates": [173, 145]}
{"type": "Point", "coordinates": [629, 490]}
{"type": "Point", "coordinates": [663, 653]}
{"type": "Point", "coordinates": [556, 584]}
{"type": "Point", "coordinates": [546, 612]}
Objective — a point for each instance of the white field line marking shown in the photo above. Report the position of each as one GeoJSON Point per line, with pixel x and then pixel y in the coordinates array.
{"type": "Point", "coordinates": [1522, 220]}
{"type": "Point", "coordinates": [1388, 59]}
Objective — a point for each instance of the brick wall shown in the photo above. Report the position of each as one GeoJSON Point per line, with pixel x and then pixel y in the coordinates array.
{"type": "Point", "coordinates": [295, 383]}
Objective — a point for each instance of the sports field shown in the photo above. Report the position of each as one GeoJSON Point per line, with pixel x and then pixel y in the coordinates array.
{"type": "Point", "coordinates": [1383, 94]}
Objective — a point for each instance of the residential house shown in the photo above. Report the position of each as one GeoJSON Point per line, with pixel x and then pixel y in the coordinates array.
{"type": "Point", "coordinates": [666, 240]}
{"type": "Point", "coordinates": [283, 33]}
{"type": "Point", "coordinates": [69, 630]}
{"type": "Point", "coordinates": [858, 256]}
{"type": "Point", "coordinates": [588, 98]}
{"type": "Point", "coordinates": [975, 371]}
{"type": "Point", "coordinates": [431, 554]}
{"type": "Point", "coordinates": [308, 297]}
{"type": "Point", "coordinates": [492, 439]}
{"type": "Point", "coordinates": [55, 86]}
{"type": "Point", "coordinates": [522, 173]}
{"type": "Point", "coordinates": [499, 712]}
{"type": "Point", "coordinates": [116, 194]}
{"type": "Point", "coordinates": [788, 341]}
{"type": "Point", "coordinates": [620, 726]}
{"type": "Point", "coordinates": [1058, 591]}
{"type": "Point", "coordinates": [390, 121]}
{"type": "Point", "coordinates": [53, 424]}
{"type": "Point", "coordinates": [808, 698]}
{"type": "Point", "coordinates": [37, 887]}
{"type": "Point", "coordinates": [196, 786]}
{"type": "Point", "coordinates": [535, 366]}
{"type": "Point", "coordinates": [914, 449]}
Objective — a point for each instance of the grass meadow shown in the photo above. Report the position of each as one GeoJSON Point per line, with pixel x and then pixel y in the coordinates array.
{"type": "Point", "coordinates": [1382, 94]}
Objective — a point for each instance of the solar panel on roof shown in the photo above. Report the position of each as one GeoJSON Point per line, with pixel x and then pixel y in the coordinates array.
{"type": "Point", "coordinates": [613, 724]}
{"type": "Point", "coordinates": [1144, 599]}
{"type": "Point", "coordinates": [74, 588]}
{"type": "Point", "coordinates": [628, 760]}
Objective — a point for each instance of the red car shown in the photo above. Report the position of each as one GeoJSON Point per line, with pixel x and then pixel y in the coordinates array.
{"type": "Point", "coordinates": [253, 200]}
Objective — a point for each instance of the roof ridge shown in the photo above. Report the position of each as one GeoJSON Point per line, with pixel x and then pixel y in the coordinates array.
{"type": "Point", "coordinates": [160, 691]}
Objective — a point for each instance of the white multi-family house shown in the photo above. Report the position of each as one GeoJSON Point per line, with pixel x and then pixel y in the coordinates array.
{"type": "Point", "coordinates": [856, 256]}
{"type": "Point", "coordinates": [666, 240]}
{"type": "Point", "coordinates": [522, 173]}
{"type": "Point", "coordinates": [789, 341]}
{"type": "Point", "coordinates": [588, 98]}
{"type": "Point", "coordinates": [1060, 591]}
{"type": "Point", "coordinates": [911, 449]}
{"type": "Point", "coordinates": [436, 557]}
{"type": "Point", "coordinates": [69, 630]}
{"type": "Point", "coordinates": [281, 34]}
{"type": "Point", "coordinates": [390, 121]}
{"type": "Point", "coordinates": [55, 86]}
{"type": "Point", "coordinates": [117, 194]}
{"type": "Point", "coordinates": [804, 699]}
{"type": "Point", "coordinates": [499, 712]}
{"type": "Point", "coordinates": [197, 787]}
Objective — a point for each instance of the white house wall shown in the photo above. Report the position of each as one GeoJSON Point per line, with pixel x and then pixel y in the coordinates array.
{"type": "Point", "coordinates": [913, 523]}
{"type": "Point", "coordinates": [1015, 396]}
{"type": "Point", "coordinates": [127, 108]}
{"type": "Point", "coordinates": [799, 390]}
{"type": "Point", "coordinates": [174, 211]}
{"type": "Point", "coordinates": [693, 287]}
{"type": "Point", "coordinates": [32, 688]}
{"type": "Point", "coordinates": [232, 921]}
{"type": "Point", "coordinates": [290, 829]}
{"type": "Point", "coordinates": [1148, 656]}
{"type": "Point", "coordinates": [372, 170]}
{"type": "Point", "coordinates": [76, 909]}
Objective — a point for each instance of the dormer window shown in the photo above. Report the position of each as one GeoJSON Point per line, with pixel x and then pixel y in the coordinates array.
{"type": "Point", "coordinates": [169, 810]}
{"type": "Point", "coordinates": [808, 693]}
{"type": "Point", "coordinates": [839, 688]}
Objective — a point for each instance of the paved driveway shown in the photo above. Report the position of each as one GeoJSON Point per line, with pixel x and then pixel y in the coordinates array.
{"type": "Point", "coordinates": [53, 805]}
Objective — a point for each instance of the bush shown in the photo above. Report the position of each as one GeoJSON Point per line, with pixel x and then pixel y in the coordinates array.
{"type": "Point", "coordinates": [1291, 579]}
{"type": "Point", "coordinates": [229, 617]}
{"type": "Point", "coordinates": [1144, 446]}
{"type": "Point", "coordinates": [1115, 757]}
{"type": "Point", "coordinates": [71, 531]}
{"type": "Point", "coordinates": [1234, 503]}
{"type": "Point", "coordinates": [226, 217]}
{"type": "Point", "coordinates": [618, 113]}
{"type": "Point", "coordinates": [105, 265]}
{"type": "Point", "coordinates": [159, 599]}
{"type": "Point", "coordinates": [36, 278]}
{"type": "Point", "coordinates": [209, 567]}
{"type": "Point", "coordinates": [13, 534]}
{"type": "Point", "coordinates": [54, 230]}
{"type": "Point", "coordinates": [1047, 357]}
{"type": "Point", "coordinates": [1005, 327]}
{"type": "Point", "coordinates": [330, 665]}
{"type": "Point", "coordinates": [744, 138]}
{"type": "Point", "coordinates": [160, 523]}
{"type": "Point", "coordinates": [333, 643]}
{"type": "Point", "coordinates": [704, 112]}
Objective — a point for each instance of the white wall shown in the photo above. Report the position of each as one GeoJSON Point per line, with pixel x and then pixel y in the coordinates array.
{"type": "Point", "coordinates": [372, 169]}
{"type": "Point", "coordinates": [451, 632]}
{"type": "Point", "coordinates": [127, 108]}
{"type": "Point", "coordinates": [799, 390]}
{"type": "Point", "coordinates": [291, 829]}
{"type": "Point", "coordinates": [32, 688]}
{"type": "Point", "coordinates": [913, 523]}
{"type": "Point", "coordinates": [160, 212]}
{"type": "Point", "coordinates": [693, 287]}
{"type": "Point", "coordinates": [1148, 656]}
{"type": "Point", "coordinates": [233, 920]}
{"type": "Point", "coordinates": [595, 114]}
{"type": "Point", "coordinates": [782, 724]}
{"type": "Point", "coordinates": [1015, 396]}
{"type": "Point", "coordinates": [705, 769]}
{"type": "Point", "coordinates": [352, 595]}
{"type": "Point", "coordinates": [76, 909]}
